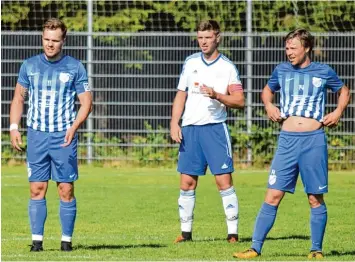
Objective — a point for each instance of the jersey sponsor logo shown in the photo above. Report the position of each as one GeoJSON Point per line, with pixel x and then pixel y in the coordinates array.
{"type": "Point", "coordinates": [272, 177]}
{"type": "Point", "coordinates": [64, 77]}
{"type": "Point", "coordinates": [316, 81]}
{"type": "Point", "coordinates": [288, 79]}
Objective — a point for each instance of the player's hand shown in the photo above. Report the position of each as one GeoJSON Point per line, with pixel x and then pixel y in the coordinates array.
{"type": "Point", "coordinates": [273, 113]}
{"type": "Point", "coordinates": [68, 137]}
{"type": "Point", "coordinates": [332, 119]}
{"type": "Point", "coordinates": [175, 133]}
{"type": "Point", "coordinates": [16, 140]}
{"type": "Point", "coordinates": [208, 91]}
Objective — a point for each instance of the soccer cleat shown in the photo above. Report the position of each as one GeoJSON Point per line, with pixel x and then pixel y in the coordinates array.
{"type": "Point", "coordinates": [180, 239]}
{"type": "Point", "coordinates": [315, 255]}
{"type": "Point", "coordinates": [249, 253]}
{"type": "Point", "coordinates": [37, 246]}
{"type": "Point", "coordinates": [66, 246]}
{"type": "Point", "coordinates": [232, 238]}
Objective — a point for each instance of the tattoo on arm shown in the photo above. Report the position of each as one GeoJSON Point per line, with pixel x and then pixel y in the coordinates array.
{"type": "Point", "coordinates": [24, 92]}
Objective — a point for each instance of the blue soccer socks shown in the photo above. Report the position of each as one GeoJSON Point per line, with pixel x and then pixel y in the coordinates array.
{"type": "Point", "coordinates": [319, 218]}
{"type": "Point", "coordinates": [186, 203]}
{"type": "Point", "coordinates": [37, 212]}
{"type": "Point", "coordinates": [231, 209]}
{"type": "Point", "coordinates": [67, 213]}
{"type": "Point", "coordinates": [264, 222]}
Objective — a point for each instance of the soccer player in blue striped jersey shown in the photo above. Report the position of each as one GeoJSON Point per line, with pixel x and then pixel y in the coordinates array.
{"type": "Point", "coordinates": [209, 83]}
{"type": "Point", "coordinates": [302, 144]}
{"type": "Point", "coordinates": [52, 81]}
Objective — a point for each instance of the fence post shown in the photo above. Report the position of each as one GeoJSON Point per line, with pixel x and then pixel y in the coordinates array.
{"type": "Point", "coordinates": [89, 127]}
{"type": "Point", "coordinates": [249, 57]}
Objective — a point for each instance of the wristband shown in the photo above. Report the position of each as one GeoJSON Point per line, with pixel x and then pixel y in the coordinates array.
{"type": "Point", "coordinates": [13, 127]}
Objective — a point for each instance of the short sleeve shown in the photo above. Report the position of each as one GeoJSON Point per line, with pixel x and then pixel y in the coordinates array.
{"type": "Point", "coordinates": [23, 79]}
{"type": "Point", "coordinates": [234, 81]}
{"type": "Point", "coordinates": [333, 81]}
{"type": "Point", "coordinates": [183, 85]}
{"type": "Point", "coordinates": [273, 82]}
{"type": "Point", "coordinates": [81, 80]}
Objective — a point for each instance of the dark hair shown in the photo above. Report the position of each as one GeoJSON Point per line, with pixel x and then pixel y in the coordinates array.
{"type": "Point", "coordinates": [307, 40]}
{"type": "Point", "coordinates": [55, 23]}
{"type": "Point", "coordinates": [207, 25]}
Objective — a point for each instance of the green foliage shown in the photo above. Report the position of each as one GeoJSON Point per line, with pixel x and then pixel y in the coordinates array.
{"type": "Point", "coordinates": [133, 16]}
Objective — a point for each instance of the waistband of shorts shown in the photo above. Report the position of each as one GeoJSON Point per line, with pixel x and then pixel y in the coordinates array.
{"type": "Point", "coordinates": [308, 133]}
{"type": "Point", "coordinates": [201, 126]}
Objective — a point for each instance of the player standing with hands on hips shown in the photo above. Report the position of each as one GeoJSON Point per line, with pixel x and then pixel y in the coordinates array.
{"type": "Point", "coordinates": [302, 144]}
{"type": "Point", "coordinates": [52, 81]}
{"type": "Point", "coordinates": [209, 83]}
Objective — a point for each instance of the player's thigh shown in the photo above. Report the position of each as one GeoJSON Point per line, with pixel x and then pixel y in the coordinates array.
{"type": "Point", "coordinates": [216, 145]}
{"type": "Point", "coordinates": [313, 164]}
{"type": "Point", "coordinates": [64, 159]}
{"type": "Point", "coordinates": [191, 159]}
{"type": "Point", "coordinates": [38, 160]}
{"type": "Point", "coordinates": [284, 167]}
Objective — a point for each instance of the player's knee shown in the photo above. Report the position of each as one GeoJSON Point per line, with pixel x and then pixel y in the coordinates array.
{"type": "Point", "coordinates": [315, 200]}
{"type": "Point", "coordinates": [66, 191]}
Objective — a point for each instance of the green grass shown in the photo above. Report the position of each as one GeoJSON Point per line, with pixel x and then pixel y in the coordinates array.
{"type": "Point", "coordinates": [131, 214]}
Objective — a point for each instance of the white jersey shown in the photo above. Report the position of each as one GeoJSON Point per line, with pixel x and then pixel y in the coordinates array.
{"type": "Point", "coordinates": [218, 74]}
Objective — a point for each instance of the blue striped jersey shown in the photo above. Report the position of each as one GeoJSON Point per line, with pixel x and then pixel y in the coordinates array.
{"type": "Point", "coordinates": [303, 91]}
{"type": "Point", "coordinates": [52, 89]}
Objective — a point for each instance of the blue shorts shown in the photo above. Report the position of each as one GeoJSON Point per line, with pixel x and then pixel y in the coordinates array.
{"type": "Point", "coordinates": [300, 152]}
{"type": "Point", "coordinates": [47, 159]}
{"type": "Point", "coordinates": [205, 145]}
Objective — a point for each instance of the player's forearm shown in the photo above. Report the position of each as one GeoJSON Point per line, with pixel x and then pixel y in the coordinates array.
{"type": "Point", "coordinates": [343, 99]}
{"type": "Point", "coordinates": [178, 107]}
{"type": "Point", "coordinates": [82, 115]}
{"type": "Point", "coordinates": [16, 110]}
{"type": "Point", "coordinates": [232, 101]}
{"type": "Point", "coordinates": [267, 96]}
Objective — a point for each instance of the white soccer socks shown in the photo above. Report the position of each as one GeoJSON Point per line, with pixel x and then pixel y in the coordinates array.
{"type": "Point", "coordinates": [186, 209]}
{"type": "Point", "coordinates": [231, 209]}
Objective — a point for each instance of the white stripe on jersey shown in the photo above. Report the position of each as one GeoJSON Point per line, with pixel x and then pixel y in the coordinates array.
{"type": "Point", "coordinates": [43, 102]}
{"type": "Point", "coordinates": [67, 113]}
{"type": "Point", "coordinates": [51, 103]}
{"type": "Point", "coordinates": [317, 112]}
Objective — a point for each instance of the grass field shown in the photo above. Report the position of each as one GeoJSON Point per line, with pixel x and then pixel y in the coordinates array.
{"type": "Point", "coordinates": [131, 214]}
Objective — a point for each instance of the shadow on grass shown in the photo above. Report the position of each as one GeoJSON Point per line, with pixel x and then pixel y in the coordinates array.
{"type": "Point", "coordinates": [342, 253]}
{"type": "Point", "coordinates": [98, 247]}
{"type": "Point", "coordinates": [249, 239]}
{"type": "Point", "coordinates": [301, 237]}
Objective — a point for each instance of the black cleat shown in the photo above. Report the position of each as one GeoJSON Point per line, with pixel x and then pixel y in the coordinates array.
{"type": "Point", "coordinates": [232, 238]}
{"type": "Point", "coordinates": [66, 246]}
{"type": "Point", "coordinates": [37, 246]}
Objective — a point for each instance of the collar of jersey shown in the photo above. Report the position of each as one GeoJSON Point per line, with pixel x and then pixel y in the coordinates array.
{"type": "Point", "coordinates": [209, 64]}
{"type": "Point", "coordinates": [298, 68]}
{"type": "Point", "coordinates": [51, 63]}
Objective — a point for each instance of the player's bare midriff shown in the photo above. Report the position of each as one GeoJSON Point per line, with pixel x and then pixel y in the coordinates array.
{"type": "Point", "coordinates": [300, 124]}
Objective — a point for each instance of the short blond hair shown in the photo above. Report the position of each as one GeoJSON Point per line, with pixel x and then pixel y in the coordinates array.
{"type": "Point", "coordinates": [55, 23]}
{"type": "Point", "coordinates": [208, 25]}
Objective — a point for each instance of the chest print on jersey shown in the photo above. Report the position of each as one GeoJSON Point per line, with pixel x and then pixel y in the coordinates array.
{"type": "Point", "coordinates": [64, 77]}
{"type": "Point", "coordinates": [316, 81]}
